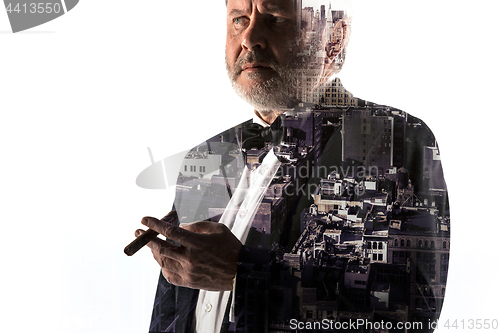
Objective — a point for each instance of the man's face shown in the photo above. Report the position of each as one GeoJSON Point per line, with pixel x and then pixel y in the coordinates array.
{"type": "Point", "coordinates": [259, 58]}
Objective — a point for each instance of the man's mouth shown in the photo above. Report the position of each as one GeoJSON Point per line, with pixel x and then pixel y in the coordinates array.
{"type": "Point", "coordinates": [254, 67]}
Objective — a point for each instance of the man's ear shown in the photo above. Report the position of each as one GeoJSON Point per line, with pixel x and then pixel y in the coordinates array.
{"type": "Point", "coordinates": [334, 45]}
{"type": "Point", "coordinates": [335, 42]}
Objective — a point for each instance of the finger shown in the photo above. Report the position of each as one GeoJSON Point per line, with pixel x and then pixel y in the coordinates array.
{"type": "Point", "coordinates": [167, 264]}
{"type": "Point", "coordinates": [171, 231]}
{"type": "Point", "coordinates": [167, 249]}
{"type": "Point", "coordinates": [173, 278]}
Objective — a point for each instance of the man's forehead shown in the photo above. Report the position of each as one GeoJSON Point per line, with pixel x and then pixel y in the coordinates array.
{"type": "Point", "coordinates": [266, 5]}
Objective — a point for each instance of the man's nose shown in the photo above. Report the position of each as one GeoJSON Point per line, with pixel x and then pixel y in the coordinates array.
{"type": "Point", "coordinates": [255, 35]}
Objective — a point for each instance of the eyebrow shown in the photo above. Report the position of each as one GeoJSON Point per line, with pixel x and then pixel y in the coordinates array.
{"type": "Point", "coordinates": [269, 8]}
{"type": "Point", "coordinates": [275, 9]}
{"type": "Point", "coordinates": [236, 12]}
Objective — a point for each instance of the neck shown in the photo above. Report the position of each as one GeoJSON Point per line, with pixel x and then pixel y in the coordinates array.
{"type": "Point", "coordinates": [268, 116]}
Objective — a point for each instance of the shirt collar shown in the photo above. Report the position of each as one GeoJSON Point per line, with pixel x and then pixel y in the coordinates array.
{"type": "Point", "coordinates": [259, 121]}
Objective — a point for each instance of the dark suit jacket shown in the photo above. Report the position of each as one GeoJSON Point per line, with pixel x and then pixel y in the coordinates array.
{"type": "Point", "coordinates": [274, 263]}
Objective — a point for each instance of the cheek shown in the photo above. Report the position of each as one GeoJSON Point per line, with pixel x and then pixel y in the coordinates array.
{"type": "Point", "coordinates": [282, 48]}
{"type": "Point", "coordinates": [283, 56]}
{"type": "Point", "coordinates": [233, 50]}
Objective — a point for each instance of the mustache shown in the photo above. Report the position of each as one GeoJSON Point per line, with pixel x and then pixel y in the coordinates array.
{"type": "Point", "coordinates": [255, 56]}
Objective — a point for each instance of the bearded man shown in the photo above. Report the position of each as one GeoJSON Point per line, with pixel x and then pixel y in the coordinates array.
{"type": "Point", "coordinates": [323, 209]}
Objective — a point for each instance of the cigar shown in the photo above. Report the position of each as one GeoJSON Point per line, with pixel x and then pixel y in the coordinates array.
{"type": "Point", "coordinates": [148, 236]}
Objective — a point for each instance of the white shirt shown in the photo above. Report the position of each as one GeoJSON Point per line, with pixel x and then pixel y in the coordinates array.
{"type": "Point", "coordinates": [238, 217]}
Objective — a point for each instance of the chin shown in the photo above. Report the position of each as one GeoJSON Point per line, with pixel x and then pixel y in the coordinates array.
{"type": "Point", "coordinates": [270, 95]}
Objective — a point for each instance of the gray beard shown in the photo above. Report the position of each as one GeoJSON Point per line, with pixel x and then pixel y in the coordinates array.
{"type": "Point", "coordinates": [274, 94]}
{"type": "Point", "coordinates": [277, 93]}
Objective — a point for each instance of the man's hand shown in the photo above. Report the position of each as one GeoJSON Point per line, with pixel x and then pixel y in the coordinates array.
{"type": "Point", "coordinates": [206, 259]}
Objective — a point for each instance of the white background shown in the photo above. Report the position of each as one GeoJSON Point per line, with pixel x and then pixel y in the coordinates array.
{"type": "Point", "coordinates": [82, 97]}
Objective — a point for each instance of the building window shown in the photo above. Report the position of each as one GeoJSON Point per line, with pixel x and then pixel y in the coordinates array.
{"type": "Point", "coordinates": [380, 246]}
{"type": "Point", "coordinates": [426, 243]}
{"type": "Point", "coordinates": [432, 245]}
{"type": "Point", "coordinates": [444, 245]}
{"type": "Point", "coordinates": [420, 243]}
{"type": "Point", "coordinates": [408, 243]}
{"type": "Point", "coordinates": [402, 242]}
{"type": "Point", "coordinates": [369, 245]}
{"type": "Point", "coordinates": [395, 242]}
{"type": "Point", "coordinates": [380, 257]}
{"type": "Point", "coordinates": [185, 168]}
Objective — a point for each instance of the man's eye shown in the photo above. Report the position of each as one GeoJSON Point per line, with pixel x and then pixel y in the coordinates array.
{"type": "Point", "coordinates": [239, 20]}
{"type": "Point", "coordinates": [277, 19]}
